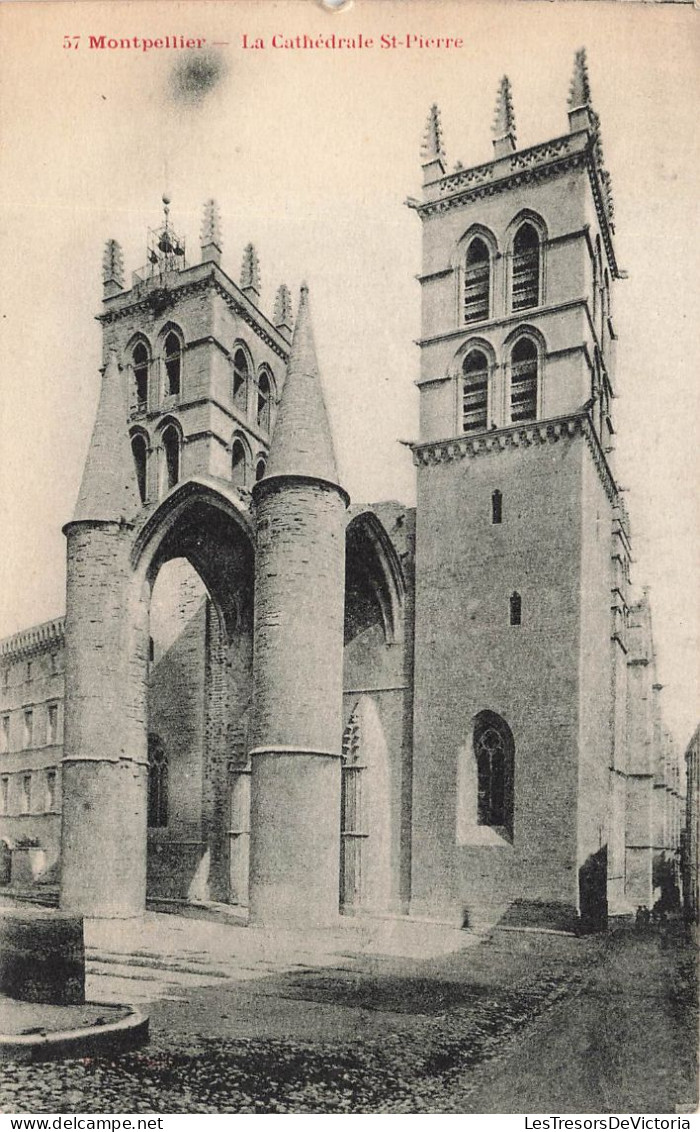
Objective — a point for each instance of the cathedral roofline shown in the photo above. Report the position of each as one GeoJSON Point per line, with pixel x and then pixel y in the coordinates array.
{"type": "Point", "coordinates": [524, 166]}
{"type": "Point", "coordinates": [37, 639]}
{"type": "Point", "coordinates": [158, 294]}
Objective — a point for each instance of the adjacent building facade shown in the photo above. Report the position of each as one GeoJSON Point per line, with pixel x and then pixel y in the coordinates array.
{"type": "Point", "coordinates": [281, 699]}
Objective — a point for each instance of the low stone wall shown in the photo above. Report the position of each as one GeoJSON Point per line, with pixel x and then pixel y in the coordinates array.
{"type": "Point", "coordinates": [42, 956]}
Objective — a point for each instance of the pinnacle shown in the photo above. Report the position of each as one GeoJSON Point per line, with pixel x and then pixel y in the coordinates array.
{"type": "Point", "coordinates": [108, 491]}
{"type": "Point", "coordinates": [250, 270]}
{"type": "Point", "coordinates": [504, 119]}
{"type": "Point", "coordinates": [433, 148]}
{"type": "Point", "coordinates": [211, 225]}
{"type": "Point", "coordinates": [580, 90]}
{"type": "Point", "coordinates": [302, 444]}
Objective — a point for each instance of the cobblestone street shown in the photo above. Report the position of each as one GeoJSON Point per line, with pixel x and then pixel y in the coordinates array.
{"type": "Point", "coordinates": [517, 1021]}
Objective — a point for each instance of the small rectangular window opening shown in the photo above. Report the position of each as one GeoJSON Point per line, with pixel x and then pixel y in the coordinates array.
{"type": "Point", "coordinates": [5, 735]}
{"type": "Point", "coordinates": [28, 728]}
{"type": "Point", "coordinates": [496, 507]}
{"type": "Point", "coordinates": [52, 727]}
{"type": "Point", "coordinates": [515, 609]}
{"type": "Point", "coordinates": [26, 793]}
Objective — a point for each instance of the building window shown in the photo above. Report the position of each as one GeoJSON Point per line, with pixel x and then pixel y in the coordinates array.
{"type": "Point", "coordinates": [173, 365]}
{"type": "Point", "coordinates": [526, 268]}
{"type": "Point", "coordinates": [28, 735]}
{"type": "Point", "coordinates": [5, 794]}
{"type": "Point", "coordinates": [496, 507]}
{"type": "Point", "coordinates": [264, 402]}
{"type": "Point", "coordinates": [516, 608]}
{"type": "Point", "coordinates": [26, 798]}
{"type": "Point", "coordinates": [171, 452]}
{"type": "Point", "coordinates": [5, 735]}
{"type": "Point", "coordinates": [477, 281]}
{"type": "Point", "coordinates": [475, 391]}
{"type": "Point", "coordinates": [259, 470]}
{"type": "Point", "coordinates": [139, 362]}
{"type": "Point", "coordinates": [52, 724]}
{"type": "Point", "coordinates": [29, 670]}
{"type": "Point", "coordinates": [50, 790]}
{"type": "Point", "coordinates": [157, 783]}
{"type": "Point", "coordinates": [494, 753]}
{"type": "Point", "coordinates": [523, 381]}
{"type": "Point", "coordinates": [139, 448]}
{"type": "Point", "coordinates": [238, 463]}
{"type": "Point", "coordinates": [241, 374]}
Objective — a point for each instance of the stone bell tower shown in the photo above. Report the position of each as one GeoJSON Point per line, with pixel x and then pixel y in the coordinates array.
{"type": "Point", "coordinates": [298, 656]}
{"type": "Point", "coordinates": [518, 519]}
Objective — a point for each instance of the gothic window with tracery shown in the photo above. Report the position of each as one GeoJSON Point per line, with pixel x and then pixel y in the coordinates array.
{"type": "Point", "coordinates": [494, 752]}
{"type": "Point", "coordinates": [139, 362]}
{"type": "Point", "coordinates": [523, 381]}
{"type": "Point", "coordinates": [475, 385]}
{"type": "Point", "coordinates": [526, 268]}
{"type": "Point", "coordinates": [477, 281]}
{"type": "Point", "coordinates": [139, 448]}
{"type": "Point", "coordinates": [157, 783]}
{"type": "Point", "coordinates": [238, 463]}
{"type": "Point", "coordinates": [171, 451]}
{"type": "Point", "coordinates": [263, 413]}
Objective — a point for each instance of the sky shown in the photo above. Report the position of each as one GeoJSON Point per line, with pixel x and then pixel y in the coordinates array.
{"type": "Point", "coordinates": [311, 155]}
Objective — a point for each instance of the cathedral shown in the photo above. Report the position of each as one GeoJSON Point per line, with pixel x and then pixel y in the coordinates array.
{"type": "Point", "coordinates": [266, 694]}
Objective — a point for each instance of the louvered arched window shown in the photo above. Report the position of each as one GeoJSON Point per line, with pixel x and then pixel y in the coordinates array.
{"type": "Point", "coordinates": [475, 386]}
{"type": "Point", "coordinates": [139, 363]}
{"type": "Point", "coordinates": [523, 381]}
{"type": "Point", "coordinates": [477, 281]}
{"type": "Point", "coordinates": [241, 375]}
{"type": "Point", "coordinates": [139, 448]}
{"type": "Point", "coordinates": [526, 268]}
{"type": "Point", "coordinates": [171, 456]}
{"type": "Point", "coordinates": [173, 364]}
{"type": "Point", "coordinates": [263, 411]}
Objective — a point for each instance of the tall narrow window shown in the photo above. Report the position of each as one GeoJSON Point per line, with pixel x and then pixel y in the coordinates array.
{"type": "Point", "coordinates": [241, 373]}
{"type": "Point", "coordinates": [238, 464]}
{"type": "Point", "coordinates": [139, 361]}
{"type": "Point", "coordinates": [5, 735]}
{"type": "Point", "coordinates": [475, 391]}
{"type": "Point", "coordinates": [139, 450]}
{"type": "Point", "coordinates": [496, 507]}
{"type": "Point", "coordinates": [52, 724]}
{"type": "Point", "coordinates": [264, 402]}
{"type": "Point", "coordinates": [28, 736]}
{"type": "Point", "coordinates": [526, 268]}
{"type": "Point", "coordinates": [50, 790]}
{"type": "Point", "coordinates": [157, 783]}
{"type": "Point", "coordinates": [173, 365]}
{"type": "Point", "coordinates": [5, 794]}
{"type": "Point", "coordinates": [26, 796]}
{"type": "Point", "coordinates": [171, 453]}
{"type": "Point", "coordinates": [494, 752]}
{"type": "Point", "coordinates": [523, 381]}
{"type": "Point", "coordinates": [516, 608]}
{"type": "Point", "coordinates": [259, 470]}
{"type": "Point", "coordinates": [477, 281]}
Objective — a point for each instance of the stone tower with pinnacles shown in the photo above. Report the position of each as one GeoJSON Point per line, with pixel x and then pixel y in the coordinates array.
{"type": "Point", "coordinates": [439, 712]}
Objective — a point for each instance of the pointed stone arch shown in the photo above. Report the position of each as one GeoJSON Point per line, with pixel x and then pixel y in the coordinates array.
{"type": "Point", "coordinates": [374, 569]}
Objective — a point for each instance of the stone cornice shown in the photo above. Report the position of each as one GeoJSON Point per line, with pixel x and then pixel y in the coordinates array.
{"type": "Point", "coordinates": [30, 642]}
{"type": "Point", "coordinates": [524, 435]}
{"type": "Point", "coordinates": [527, 166]}
{"type": "Point", "coordinates": [475, 329]}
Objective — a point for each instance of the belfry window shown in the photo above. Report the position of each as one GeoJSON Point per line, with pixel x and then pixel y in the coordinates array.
{"type": "Point", "coordinates": [173, 365]}
{"type": "Point", "coordinates": [263, 415]}
{"type": "Point", "coordinates": [475, 391]}
{"type": "Point", "coordinates": [241, 374]}
{"type": "Point", "coordinates": [523, 381]}
{"type": "Point", "coordinates": [526, 268]}
{"type": "Point", "coordinates": [171, 454]}
{"type": "Point", "coordinates": [494, 753]}
{"type": "Point", "coordinates": [157, 783]}
{"type": "Point", "coordinates": [238, 464]}
{"type": "Point", "coordinates": [477, 281]}
{"type": "Point", "coordinates": [139, 361]}
{"type": "Point", "coordinates": [139, 448]}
